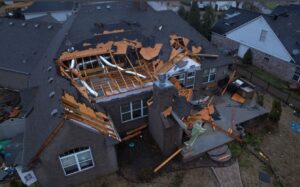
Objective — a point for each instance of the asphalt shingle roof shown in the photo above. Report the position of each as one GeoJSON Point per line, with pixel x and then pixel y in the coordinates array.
{"type": "Point", "coordinates": [50, 6]}
{"type": "Point", "coordinates": [144, 26]}
{"type": "Point", "coordinates": [22, 46]}
{"type": "Point", "coordinates": [232, 19]}
{"type": "Point", "coordinates": [284, 21]}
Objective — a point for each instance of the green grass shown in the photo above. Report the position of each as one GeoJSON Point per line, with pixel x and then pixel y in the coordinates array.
{"type": "Point", "coordinates": [270, 4]}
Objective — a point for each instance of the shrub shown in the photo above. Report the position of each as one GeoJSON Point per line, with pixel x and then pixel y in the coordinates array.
{"type": "Point", "coordinates": [275, 112]}
{"type": "Point", "coordinates": [247, 59]}
{"type": "Point", "coordinates": [182, 12]}
{"type": "Point", "coordinates": [235, 149]}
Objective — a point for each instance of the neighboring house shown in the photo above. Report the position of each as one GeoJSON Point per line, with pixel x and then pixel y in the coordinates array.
{"type": "Point", "coordinates": [60, 11]}
{"type": "Point", "coordinates": [217, 5]}
{"type": "Point", "coordinates": [273, 39]}
{"type": "Point", "coordinates": [86, 89]}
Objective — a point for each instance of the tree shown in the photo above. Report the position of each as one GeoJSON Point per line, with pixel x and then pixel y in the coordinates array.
{"type": "Point", "coordinates": [247, 59]}
{"type": "Point", "coordinates": [207, 22]}
{"type": "Point", "coordinates": [194, 16]}
{"type": "Point", "coordinates": [182, 12]}
{"type": "Point", "coordinates": [275, 112]}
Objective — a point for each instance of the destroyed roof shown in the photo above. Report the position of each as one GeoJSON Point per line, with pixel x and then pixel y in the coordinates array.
{"type": "Point", "coordinates": [50, 6]}
{"type": "Point", "coordinates": [232, 19]}
{"type": "Point", "coordinates": [40, 123]}
{"type": "Point", "coordinates": [24, 43]}
{"type": "Point", "coordinates": [146, 22]}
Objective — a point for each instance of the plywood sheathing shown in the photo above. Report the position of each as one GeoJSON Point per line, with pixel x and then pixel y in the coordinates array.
{"type": "Point", "coordinates": [203, 115]}
{"type": "Point", "coordinates": [167, 112]}
{"type": "Point", "coordinates": [113, 31]}
{"type": "Point", "coordinates": [74, 110]}
{"type": "Point", "coordinates": [196, 50]}
{"type": "Point", "coordinates": [121, 47]}
{"type": "Point", "coordinates": [17, 5]}
{"type": "Point", "coordinates": [238, 98]}
{"type": "Point", "coordinates": [185, 92]}
{"type": "Point", "coordinates": [148, 53]}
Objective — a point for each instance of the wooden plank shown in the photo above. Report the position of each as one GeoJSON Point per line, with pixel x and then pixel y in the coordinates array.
{"type": "Point", "coordinates": [137, 129]}
{"type": "Point", "coordinates": [48, 140]}
{"type": "Point", "coordinates": [167, 160]}
{"type": "Point", "coordinates": [131, 136]}
{"type": "Point", "coordinates": [167, 112]}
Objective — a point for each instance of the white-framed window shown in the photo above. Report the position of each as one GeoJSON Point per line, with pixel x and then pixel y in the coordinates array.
{"type": "Point", "coordinates": [76, 160]}
{"type": "Point", "coordinates": [134, 110]}
{"type": "Point", "coordinates": [180, 77]}
{"type": "Point", "coordinates": [210, 75]}
{"type": "Point", "coordinates": [263, 35]}
{"type": "Point", "coordinates": [190, 79]}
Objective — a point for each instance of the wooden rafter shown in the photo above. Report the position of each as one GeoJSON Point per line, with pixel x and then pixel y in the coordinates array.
{"type": "Point", "coordinates": [113, 60]}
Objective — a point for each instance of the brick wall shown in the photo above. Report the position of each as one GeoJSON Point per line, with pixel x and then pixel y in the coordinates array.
{"type": "Point", "coordinates": [223, 43]}
{"type": "Point", "coordinates": [279, 68]}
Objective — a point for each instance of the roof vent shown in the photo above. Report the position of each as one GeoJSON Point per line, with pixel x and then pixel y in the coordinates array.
{"type": "Point", "coordinates": [36, 25]}
{"type": "Point", "coordinates": [98, 7]}
{"type": "Point", "coordinates": [24, 24]}
{"type": "Point", "coordinates": [296, 52]}
{"type": "Point", "coordinates": [51, 94]}
{"type": "Point", "coordinates": [108, 6]}
{"type": "Point", "coordinates": [160, 27]}
{"type": "Point", "coordinates": [229, 16]}
{"type": "Point", "coordinates": [11, 23]}
{"type": "Point", "coordinates": [49, 68]}
{"type": "Point", "coordinates": [54, 112]}
{"type": "Point", "coordinates": [50, 27]}
{"type": "Point", "coordinates": [50, 80]}
{"type": "Point", "coordinates": [71, 49]}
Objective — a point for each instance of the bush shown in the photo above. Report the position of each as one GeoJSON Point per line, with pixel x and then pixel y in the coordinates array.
{"type": "Point", "coordinates": [194, 16]}
{"type": "Point", "coordinates": [182, 12]}
{"type": "Point", "coordinates": [275, 112]}
{"type": "Point", "coordinates": [247, 59]}
{"type": "Point", "coordinates": [235, 149]}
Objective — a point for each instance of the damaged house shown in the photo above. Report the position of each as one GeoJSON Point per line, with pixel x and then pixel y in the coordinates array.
{"type": "Point", "coordinates": [109, 78]}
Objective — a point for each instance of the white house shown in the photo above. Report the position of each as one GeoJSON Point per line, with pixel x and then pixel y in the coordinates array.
{"type": "Point", "coordinates": [274, 40]}
{"type": "Point", "coordinates": [219, 5]}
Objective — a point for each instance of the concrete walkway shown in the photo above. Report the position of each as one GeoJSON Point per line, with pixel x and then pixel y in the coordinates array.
{"type": "Point", "coordinates": [228, 176]}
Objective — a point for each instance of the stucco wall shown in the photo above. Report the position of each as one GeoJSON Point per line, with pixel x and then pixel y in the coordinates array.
{"type": "Point", "coordinates": [113, 108]}
{"type": "Point", "coordinates": [49, 171]}
{"type": "Point", "coordinates": [166, 133]}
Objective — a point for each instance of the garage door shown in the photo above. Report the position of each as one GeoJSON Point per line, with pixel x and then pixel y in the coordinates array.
{"type": "Point", "coordinates": [242, 50]}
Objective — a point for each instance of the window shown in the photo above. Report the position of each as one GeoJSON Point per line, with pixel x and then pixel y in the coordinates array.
{"type": "Point", "coordinates": [263, 35]}
{"type": "Point", "coordinates": [296, 76]}
{"type": "Point", "coordinates": [190, 80]}
{"type": "Point", "coordinates": [134, 110]}
{"type": "Point", "coordinates": [76, 160]}
{"type": "Point", "coordinates": [210, 75]}
{"type": "Point", "coordinates": [181, 78]}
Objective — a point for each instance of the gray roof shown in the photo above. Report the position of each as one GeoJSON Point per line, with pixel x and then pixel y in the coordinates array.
{"type": "Point", "coordinates": [285, 22]}
{"type": "Point", "coordinates": [50, 6]}
{"type": "Point", "coordinates": [232, 19]}
{"type": "Point", "coordinates": [40, 123]}
{"type": "Point", "coordinates": [22, 46]}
